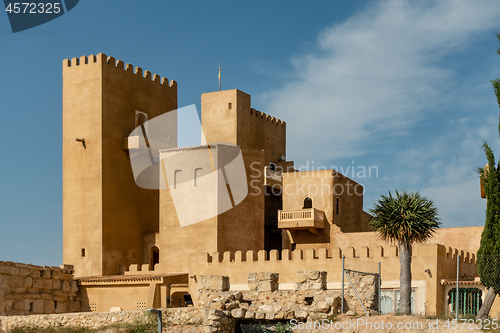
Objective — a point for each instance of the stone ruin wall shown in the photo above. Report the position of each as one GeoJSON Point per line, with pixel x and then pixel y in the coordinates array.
{"type": "Point", "coordinates": [28, 289]}
{"type": "Point", "coordinates": [310, 301]}
{"type": "Point", "coordinates": [220, 309]}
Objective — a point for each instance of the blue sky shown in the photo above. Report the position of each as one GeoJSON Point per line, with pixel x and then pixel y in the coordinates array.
{"type": "Point", "coordinates": [403, 86]}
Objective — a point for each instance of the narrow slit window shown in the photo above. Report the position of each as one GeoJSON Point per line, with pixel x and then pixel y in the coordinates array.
{"type": "Point", "coordinates": [197, 177]}
{"type": "Point", "coordinates": [141, 118]}
{"type": "Point", "coordinates": [83, 253]}
{"type": "Point", "coordinates": [337, 206]}
{"type": "Point", "coordinates": [177, 178]}
{"type": "Point", "coordinates": [229, 106]}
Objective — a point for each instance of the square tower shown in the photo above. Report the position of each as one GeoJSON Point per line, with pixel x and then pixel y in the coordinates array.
{"type": "Point", "coordinates": [105, 214]}
{"type": "Point", "coordinates": [227, 116]}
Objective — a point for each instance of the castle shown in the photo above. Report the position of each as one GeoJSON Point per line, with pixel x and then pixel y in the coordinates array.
{"type": "Point", "coordinates": [126, 242]}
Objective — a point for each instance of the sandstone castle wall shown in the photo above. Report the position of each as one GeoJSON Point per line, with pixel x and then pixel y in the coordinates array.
{"type": "Point", "coordinates": [29, 289]}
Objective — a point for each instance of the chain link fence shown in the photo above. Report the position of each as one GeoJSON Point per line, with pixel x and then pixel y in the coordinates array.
{"type": "Point", "coordinates": [447, 285]}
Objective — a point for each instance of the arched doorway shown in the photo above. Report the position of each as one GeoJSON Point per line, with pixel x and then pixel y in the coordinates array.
{"type": "Point", "coordinates": [308, 203]}
{"type": "Point", "coordinates": [154, 257]}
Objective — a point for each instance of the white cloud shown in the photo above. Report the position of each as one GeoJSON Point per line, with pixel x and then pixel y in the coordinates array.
{"type": "Point", "coordinates": [375, 74]}
{"type": "Point", "coordinates": [370, 83]}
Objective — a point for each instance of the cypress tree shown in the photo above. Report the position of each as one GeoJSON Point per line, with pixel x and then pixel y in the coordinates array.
{"type": "Point", "coordinates": [488, 255]}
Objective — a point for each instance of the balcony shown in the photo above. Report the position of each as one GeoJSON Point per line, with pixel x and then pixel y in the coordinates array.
{"type": "Point", "coordinates": [310, 219]}
{"type": "Point", "coordinates": [272, 178]}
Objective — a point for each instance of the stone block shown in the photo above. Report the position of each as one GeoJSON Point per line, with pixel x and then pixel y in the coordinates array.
{"type": "Point", "coordinates": [24, 271]}
{"type": "Point", "coordinates": [14, 270]}
{"type": "Point", "coordinates": [16, 281]}
{"type": "Point", "coordinates": [260, 315]}
{"type": "Point", "coordinates": [38, 306]}
{"type": "Point", "coordinates": [249, 315]}
{"type": "Point", "coordinates": [310, 280]}
{"type": "Point", "coordinates": [56, 285]}
{"type": "Point", "coordinates": [263, 281]}
{"type": "Point", "coordinates": [213, 283]}
{"type": "Point", "coordinates": [322, 307]}
{"type": "Point", "coordinates": [56, 275]}
{"type": "Point", "coordinates": [37, 283]}
{"type": "Point", "coordinates": [28, 282]}
{"type": "Point", "coordinates": [18, 305]}
{"type": "Point", "coordinates": [46, 273]}
{"type": "Point", "coordinates": [270, 316]}
{"type": "Point", "coordinates": [74, 287]}
{"type": "Point", "coordinates": [301, 314]}
{"type": "Point", "coordinates": [238, 313]}
{"type": "Point", "coordinates": [47, 284]}
{"type": "Point", "coordinates": [4, 269]}
{"type": "Point", "coordinates": [66, 287]}
{"type": "Point", "coordinates": [49, 307]}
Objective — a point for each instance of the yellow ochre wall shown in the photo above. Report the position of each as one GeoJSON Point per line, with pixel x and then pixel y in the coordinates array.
{"type": "Point", "coordinates": [104, 211]}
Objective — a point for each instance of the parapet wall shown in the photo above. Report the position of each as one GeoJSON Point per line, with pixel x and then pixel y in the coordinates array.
{"type": "Point", "coordinates": [272, 121]}
{"type": "Point", "coordinates": [238, 265]}
{"type": "Point", "coordinates": [101, 58]}
{"type": "Point", "coordinates": [29, 289]}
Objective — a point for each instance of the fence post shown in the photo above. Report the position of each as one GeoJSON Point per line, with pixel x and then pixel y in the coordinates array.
{"type": "Point", "coordinates": [342, 298]}
{"type": "Point", "coordinates": [457, 296]}
{"type": "Point", "coordinates": [379, 286]}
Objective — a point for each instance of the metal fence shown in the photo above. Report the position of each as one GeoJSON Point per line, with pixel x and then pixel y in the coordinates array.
{"type": "Point", "coordinates": [444, 285]}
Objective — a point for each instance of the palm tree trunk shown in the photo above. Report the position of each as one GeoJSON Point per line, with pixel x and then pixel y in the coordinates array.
{"type": "Point", "coordinates": [488, 302]}
{"type": "Point", "coordinates": [405, 278]}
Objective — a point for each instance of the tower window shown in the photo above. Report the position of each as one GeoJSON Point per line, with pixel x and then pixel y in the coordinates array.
{"type": "Point", "coordinates": [140, 119]}
{"type": "Point", "coordinates": [308, 203]}
{"type": "Point", "coordinates": [177, 178]}
{"type": "Point", "coordinates": [229, 106]}
{"type": "Point", "coordinates": [272, 166]}
{"type": "Point", "coordinates": [83, 253]}
{"type": "Point", "coordinates": [197, 177]}
{"type": "Point", "coordinates": [337, 206]}
{"type": "Point", "coordinates": [154, 257]}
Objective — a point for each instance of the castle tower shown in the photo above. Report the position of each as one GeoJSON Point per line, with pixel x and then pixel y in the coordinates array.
{"type": "Point", "coordinates": [105, 214]}
{"type": "Point", "coordinates": [226, 116]}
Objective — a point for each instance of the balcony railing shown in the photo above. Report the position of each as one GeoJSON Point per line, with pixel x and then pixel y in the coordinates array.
{"type": "Point", "coordinates": [310, 218]}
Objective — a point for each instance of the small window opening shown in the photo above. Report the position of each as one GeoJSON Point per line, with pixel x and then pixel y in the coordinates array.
{"type": "Point", "coordinates": [229, 106]}
{"type": "Point", "coordinates": [272, 166]}
{"type": "Point", "coordinates": [55, 304]}
{"type": "Point", "coordinates": [154, 257]}
{"type": "Point", "coordinates": [140, 119]}
{"type": "Point", "coordinates": [308, 203]}
{"type": "Point", "coordinates": [309, 300]}
{"type": "Point", "coordinates": [31, 307]}
{"type": "Point", "coordinates": [83, 253]}
{"type": "Point", "coordinates": [177, 178]}
{"type": "Point", "coordinates": [197, 177]}
{"type": "Point", "coordinates": [337, 206]}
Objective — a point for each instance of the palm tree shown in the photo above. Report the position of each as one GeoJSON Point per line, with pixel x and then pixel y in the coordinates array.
{"type": "Point", "coordinates": [405, 219]}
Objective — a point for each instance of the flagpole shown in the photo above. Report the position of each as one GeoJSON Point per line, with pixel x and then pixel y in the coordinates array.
{"type": "Point", "coordinates": [219, 78]}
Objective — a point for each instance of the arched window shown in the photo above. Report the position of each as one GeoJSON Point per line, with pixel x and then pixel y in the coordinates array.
{"type": "Point", "coordinates": [308, 203]}
{"type": "Point", "coordinates": [177, 178]}
{"type": "Point", "coordinates": [140, 119]}
{"type": "Point", "coordinates": [197, 177]}
{"type": "Point", "coordinates": [154, 257]}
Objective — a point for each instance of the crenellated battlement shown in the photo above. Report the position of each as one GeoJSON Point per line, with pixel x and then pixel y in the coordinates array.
{"type": "Point", "coordinates": [361, 252]}
{"type": "Point", "coordinates": [101, 58]}
{"type": "Point", "coordinates": [265, 117]}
